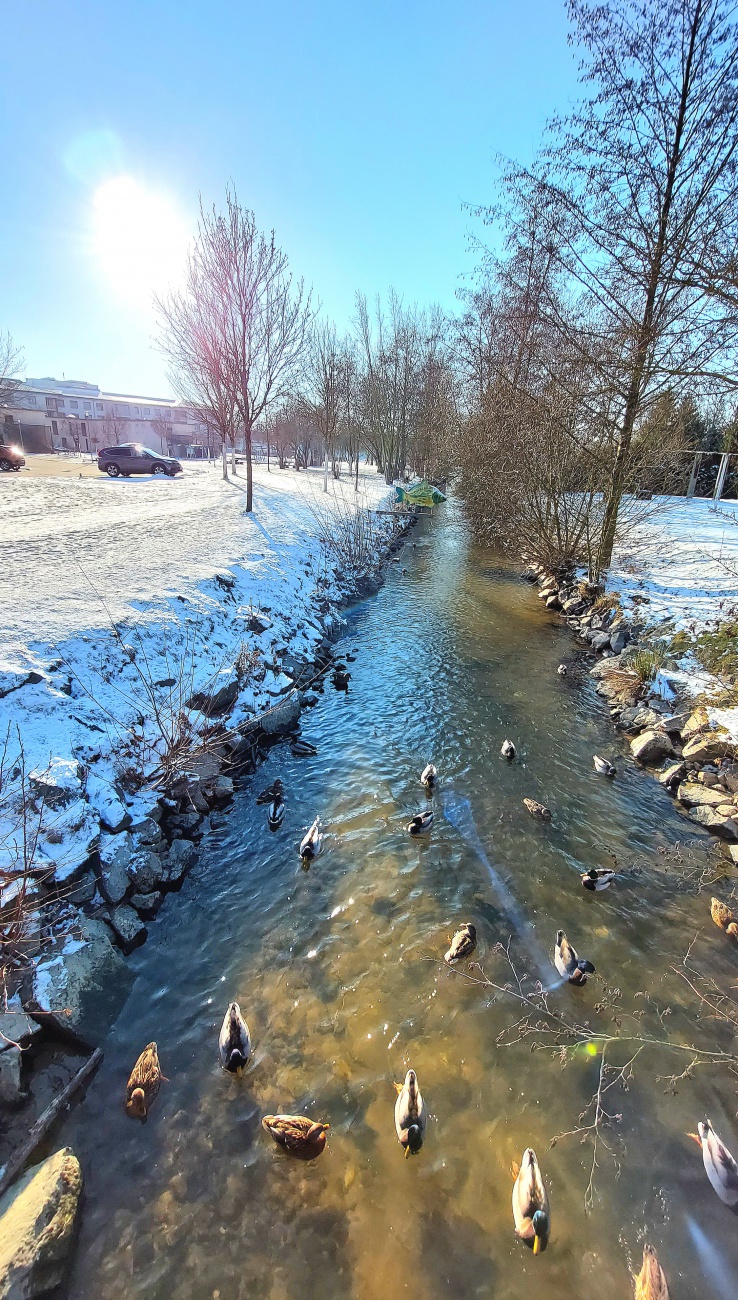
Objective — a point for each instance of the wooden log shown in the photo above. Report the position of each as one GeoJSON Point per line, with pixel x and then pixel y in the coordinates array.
{"type": "Point", "coordinates": [20, 1158]}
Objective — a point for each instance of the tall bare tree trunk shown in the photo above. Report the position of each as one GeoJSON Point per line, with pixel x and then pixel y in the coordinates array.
{"type": "Point", "coordinates": [249, 473]}
{"type": "Point", "coordinates": [224, 455]}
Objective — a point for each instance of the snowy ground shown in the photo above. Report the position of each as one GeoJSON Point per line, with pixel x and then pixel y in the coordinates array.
{"type": "Point", "coordinates": [681, 564]}
{"type": "Point", "coordinates": [179, 568]}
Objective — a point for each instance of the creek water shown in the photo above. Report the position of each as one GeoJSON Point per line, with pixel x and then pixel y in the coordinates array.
{"type": "Point", "coordinates": [338, 973]}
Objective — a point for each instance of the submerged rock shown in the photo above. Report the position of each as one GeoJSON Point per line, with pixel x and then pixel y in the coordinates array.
{"type": "Point", "coordinates": [38, 1215]}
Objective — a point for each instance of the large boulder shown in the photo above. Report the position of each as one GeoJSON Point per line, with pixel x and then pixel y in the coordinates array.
{"type": "Point", "coordinates": [83, 974]}
{"type": "Point", "coordinates": [283, 717]}
{"type": "Point", "coordinates": [38, 1217]}
{"type": "Point", "coordinates": [146, 871]}
{"type": "Point", "coordinates": [58, 784]}
{"type": "Point", "coordinates": [181, 858]}
{"type": "Point", "coordinates": [651, 746]}
{"type": "Point", "coordinates": [618, 640]}
{"type": "Point", "coordinates": [673, 773]}
{"type": "Point", "coordinates": [128, 928]}
{"type": "Point", "coordinates": [215, 703]}
{"type": "Point", "coordinates": [693, 793]}
{"type": "Point", "coordinates": [108, 805]}
{"type": "Point", "coordinates": [705, 747]}
{"type": "Point", "coordinates": [115, 857]}
{"type": "Point", "coordinates": [716, 820]}
{"type": "Point", "coordinates": [696, 722]}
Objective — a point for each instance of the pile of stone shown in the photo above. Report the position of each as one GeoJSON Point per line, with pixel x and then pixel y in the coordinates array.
{"type": "Point", "coordinates": [603, 628]}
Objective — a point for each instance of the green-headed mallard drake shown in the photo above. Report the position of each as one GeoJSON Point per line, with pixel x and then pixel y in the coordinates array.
{"type": "Point", "coordinates": [602, 766]}
{"type": "Point", "coordinates": [720, 1167]}
{"type": "Point", "coordinates": [429, 776]}
{"type": "Point", "coordinates": [567, 962]}
{"type": "Point", "coordinates": [598, 878]}
{"type": "Point", "coordinates": [722, 916]}
{"type": "Point", "coordinates": [311, 844]}
{"type": "Point", "coordinates": [651, 1283]}
{"type": "Point", "coordinates": [530, 1203]}
{"type": "Point", "coordinates": [538, 810]}
{"type": "Point", "coordinates": [301, 1136]}
{"type": "Point", "coordinates": [462, 945]}
{"type": "Point", "coordinates": [420, 823]}
{"type": "Point", "coordinates": [234, 1043]}
{"type": "Point", "coordinates": [143, 1083]}
{"type": "Point", "coordinates": [410, 1114]}
{"type": "Point", "coordinates": [508, 750]}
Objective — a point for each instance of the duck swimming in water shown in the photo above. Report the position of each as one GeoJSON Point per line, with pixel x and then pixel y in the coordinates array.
{"type": "Point", "coordinates": [429, 776]}
{"type": "Point", "coordinates": [530, 1204]}
{"type": "Point", "coordinates": [143, 1083]}
{"type": "Point", "coordinates": [420, 823]}
{"type": "Point", "coordinates": [311, 845]}
{"type": "Point", "coordinates": [651, 1282]}
{"type": "Point", "coordinates": [272, 792]}
{"type": "Point", "coordinates": [301, 1136]}
{"type": "Point", "coordinates": [567, 962]}
{"type": "Point", "coordinates": [508, 750]}
{"type": "Point", "coordinates": [720, 1167]}
{"type": "Point", "coordinates": [538, 810]}
{"type": "Point", "coordinates": [275, 815]}
{"type": "Point", "coordinates": [410, 1114]}
{"type": "Point", "coordinates": [562, 670]}
{"type": "Point", "coordinates": [598, 878]}
{"type": "Point", "coordinates": [303, 748]}
{"type": "Point", "coordinates": [603, 766]}
{"type": "Point", "coordinates": [722, 916]}
{"type": "Point", "coordinates": [234, 1042]}
{"type": "Point", "coordinates": [462, 945]}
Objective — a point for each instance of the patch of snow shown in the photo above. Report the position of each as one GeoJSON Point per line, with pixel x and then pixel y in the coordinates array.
{"type": "Point", "coordinates": [726, 720]}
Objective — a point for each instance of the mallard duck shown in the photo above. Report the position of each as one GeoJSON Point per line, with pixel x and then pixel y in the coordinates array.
{"type": "Point", "coordinates": [311, 844]}
{"type": "Point", "coordinates": [538, 810]}
{"type": "Point", "coordinates": [508, 750]}
{"type": "Point", "coordinates": [722, 916]}
{"type": "Point", "coordinates": [429, 776]}
{"type": "Point", "coordinates": [462, 945]}
{"type": "Point", "coordinates": [303, 749]}
{"type": "Point", "coordinates": [530, 1203]}
{"type": "Point", "coordinates": [272, 792]}
{"type": "Point", "coordinates": [143, 1083]}
{"type": "Point", "coordinates": [234, 1043]}
{"type": "Point", "coordinates": [301, 1136]}
{"type": "Point", "coordinates": [603, 766]}
{"type": "Point", "coordinates": [720, 1167]}
{"type": "Point", "coordinates": [275, 815]}
{"type": "Point", "coordinates": [598, 878]}
{"type": "Point", "coordinates": [567, 962]}
{"type": "Point", "coordinates": [410, 1115]}
{"type": "Point", "coordinates": [562, 670]}
{"type": "Point", "coordinates": [651, 1283]}
{"type": "Point", "coordinates": [420, 823]}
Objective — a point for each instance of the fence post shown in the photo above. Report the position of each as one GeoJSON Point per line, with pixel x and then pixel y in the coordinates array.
{"type": "Point", "coordinates": [722, 475]}
{"type": "Point", "coordinates": [693, 475]}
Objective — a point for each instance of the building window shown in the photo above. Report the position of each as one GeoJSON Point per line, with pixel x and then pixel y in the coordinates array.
{"type": "Point", "coordinates": [146, 412]}
{"type": "Point", "coordinates": [51, 403]}
{"type": "Point", "coordinates": [136, 410]}
{"type": "Point", "coordinates": [74, 405]}
{"type": "Point", "coordinates": [54, 428]}
{"type": "Point", "coordinates": [99, 406]}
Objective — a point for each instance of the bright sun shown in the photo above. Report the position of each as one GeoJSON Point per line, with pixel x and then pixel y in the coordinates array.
{"type": "Point", "coordinates": [139, 239]}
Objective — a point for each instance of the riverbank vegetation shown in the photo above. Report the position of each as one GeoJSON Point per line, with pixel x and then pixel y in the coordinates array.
{"type": "Point", "coordinates": [605, 301]}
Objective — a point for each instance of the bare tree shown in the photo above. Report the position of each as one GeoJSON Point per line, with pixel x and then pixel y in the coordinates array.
{"type": "Point", "coordinates": [325, 389]}
{"type": "Point", "coordinates": [388, 341]}
{"type": "Point", "coordinates": [163, 430]}
{"type": "Point", "coordinates": [11, 363]}
{"type": "Point", "coordinates": [237, 332]}
{"type": "Point", "coordinates": [639, 182]}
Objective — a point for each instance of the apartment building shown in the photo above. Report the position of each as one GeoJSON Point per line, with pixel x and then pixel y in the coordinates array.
{"type": "Point", "coordinates": [70, 415]}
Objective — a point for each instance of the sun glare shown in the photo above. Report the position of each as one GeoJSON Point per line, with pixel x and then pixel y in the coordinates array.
{"type": "Point", "coordinates": [139, 239]}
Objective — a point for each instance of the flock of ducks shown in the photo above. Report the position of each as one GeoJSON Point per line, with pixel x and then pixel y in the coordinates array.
{"type": "Point", "coordinates": [305, 1138]}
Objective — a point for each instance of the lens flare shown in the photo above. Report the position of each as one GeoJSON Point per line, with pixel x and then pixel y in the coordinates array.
{"type": "Point", "coordinates": [139, 239]}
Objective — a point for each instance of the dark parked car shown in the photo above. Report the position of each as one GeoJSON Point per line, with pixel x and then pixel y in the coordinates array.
{"type": "Point", "coordinates": [10, 458]}
{"type": "Point", "coordinates": [132, 458]}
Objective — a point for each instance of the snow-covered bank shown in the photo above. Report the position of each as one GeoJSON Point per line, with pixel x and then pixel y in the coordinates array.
{"type": "Point", "coordinates": [142, 614]}
{"type": "Point", "coordinates": [680, 563]}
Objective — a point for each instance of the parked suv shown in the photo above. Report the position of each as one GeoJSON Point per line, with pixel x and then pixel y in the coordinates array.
{"type": "Point", "coordinates": [10, 458]}
{"type": "Point", "coordinates": [132, 458]}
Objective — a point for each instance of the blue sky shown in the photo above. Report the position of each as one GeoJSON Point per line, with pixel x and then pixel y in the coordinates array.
{"type": "Point", "coordinates": [358, 131]}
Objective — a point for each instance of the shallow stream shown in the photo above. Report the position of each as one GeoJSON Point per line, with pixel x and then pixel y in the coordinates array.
{"type": "Point", "coordinates": [338, 973]}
